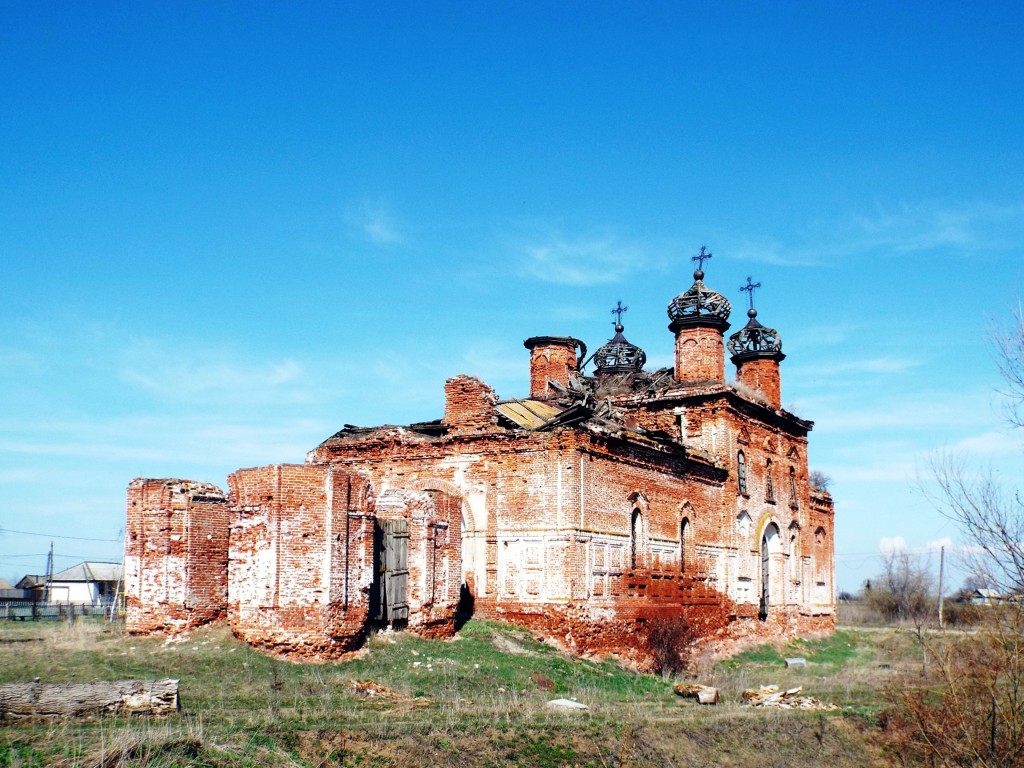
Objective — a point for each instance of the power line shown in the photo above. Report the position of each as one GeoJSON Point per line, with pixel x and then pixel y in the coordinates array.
{"type": "Point", "coordinates": [57, 536]}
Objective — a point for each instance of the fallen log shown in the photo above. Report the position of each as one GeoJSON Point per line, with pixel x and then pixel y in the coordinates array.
{"type": "Point", "coordinates": [702, 693]}
{"type": "Point", "coordinates": [59, 700]}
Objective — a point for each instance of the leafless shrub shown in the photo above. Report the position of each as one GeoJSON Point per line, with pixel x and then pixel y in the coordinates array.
{"type": "Point", "coordinates": [904, 591]}
{"type": "Point", "coordinates": [669, 641]}
{"type": "Point", "coordinates": [969, 710]}
{"type": "Point", "coordinates": [819, 480]}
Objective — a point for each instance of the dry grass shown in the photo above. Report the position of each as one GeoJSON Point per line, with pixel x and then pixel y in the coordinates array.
{"type": "Point", "coordinates": [486, 704]}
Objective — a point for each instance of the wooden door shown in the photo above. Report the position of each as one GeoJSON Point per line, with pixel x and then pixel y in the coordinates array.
{"type": "Point", "coordinates": [390, 604]}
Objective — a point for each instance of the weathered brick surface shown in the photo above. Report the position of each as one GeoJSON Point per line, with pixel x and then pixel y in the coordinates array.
{"type": "Point", "coordinates": [700, 354]}
{"type": "Point", "coordinates": [552, 358]}
{"type": "Point", "coordinates": [762, 375]}
{"type": "Point", "coordinates": [469, 405]}
{"type": "Point", "coordinates": [687, 498]}
{"type": "Point", "coordinates": [301, 558]}
{"type": "Point", "coordinates": [175, 555]}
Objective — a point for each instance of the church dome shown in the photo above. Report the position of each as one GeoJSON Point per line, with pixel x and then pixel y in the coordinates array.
{"type": "Point", "coordinates": [754, 340]}
{"type": "Point", "coordinates": [618, 355]}
{"type": "Point", "coordinates": [698, 305]}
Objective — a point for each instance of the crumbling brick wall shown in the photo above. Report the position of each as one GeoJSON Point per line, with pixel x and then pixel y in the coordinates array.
{"type": "Point", "coordinates": [434, 556]}
{"type": "Point", "coordinates": [469, 404]}
{"type": "Point", "coordinates": [176, 554]}
{"type": "Point", "coordinates": [301, 558]}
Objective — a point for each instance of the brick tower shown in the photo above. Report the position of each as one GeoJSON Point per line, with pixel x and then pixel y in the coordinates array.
{"type": "Point", "coordinates": [552, 358]}
{"type": "Point", "coordinates": [756, 353]}
{"type": "Point", "coordinates": [700, 318]}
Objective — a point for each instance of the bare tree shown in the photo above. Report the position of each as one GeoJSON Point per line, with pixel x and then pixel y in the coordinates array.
{"type": "Point", "coordinates": [819, 480]}
{"type": "Point", "coordinates": [1009, 346]}
{"type": "Point", "coordinates": [969, 710]}
{"type": "Point", "coordinates": [904, 591]}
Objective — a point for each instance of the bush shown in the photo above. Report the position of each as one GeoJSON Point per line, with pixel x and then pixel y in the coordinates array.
{"type": "Point", "coordinates": [669, 641]}
{"type": "Point", "coordinates": [962, 614]}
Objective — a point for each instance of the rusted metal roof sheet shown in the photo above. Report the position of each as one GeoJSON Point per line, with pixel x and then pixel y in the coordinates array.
{"type": "Point", "coordinates": [528, 414]}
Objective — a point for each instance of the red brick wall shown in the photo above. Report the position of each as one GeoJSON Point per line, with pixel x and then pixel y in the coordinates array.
{"type": "Point", "coordinates": [175, 554]}
{"type": "Point", "coordinates": [700, 355]}
{"type": "Point", "coordinates": [435, 556]}
{"type": "Point", "coordinates": [469, 405]}
{"type": "Point", "coordinates": [300, 558]}
{"type": "Point", "coordinates": [762, 375]}
{"type": "Point", "coordinates": [552, 358]}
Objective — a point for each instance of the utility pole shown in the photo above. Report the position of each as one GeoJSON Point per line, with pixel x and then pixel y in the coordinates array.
{"type": "Point", "coordinates": [942, 562]}
{"type": "Point", "coordinates": [49, 575]}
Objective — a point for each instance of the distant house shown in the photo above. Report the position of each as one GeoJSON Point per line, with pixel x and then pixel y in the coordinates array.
{"type": "Point", "coordinates": [993, 597]}
{"type": "Point", "coordinates": [87, 583]}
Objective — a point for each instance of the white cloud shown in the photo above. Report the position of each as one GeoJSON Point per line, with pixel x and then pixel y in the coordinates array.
{"type": "Point", "coordinates": [204, 376]}
{"type": "Point", "coordinates": [582, 262]}
{"type": "Point", "coordinates": [374, 222]}
{"type": "Point", "coordinates": [889, 545]}
{"type": "Point", "coordinates": [765, 250]}
{"type": "Point", "coordinates": [903, 229]}
{"type": "Point", "coordinates": [988, 444]}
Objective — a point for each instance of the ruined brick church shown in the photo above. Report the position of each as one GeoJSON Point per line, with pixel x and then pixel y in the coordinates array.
{"type": "Point", "coordinates": [599, 503]}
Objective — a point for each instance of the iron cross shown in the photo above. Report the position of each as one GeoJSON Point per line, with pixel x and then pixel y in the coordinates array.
{"type": "Point", "coordinates": [750, 287]}
{"type": "Point", "coordinates": [619, 309]}
{"type": "Point", "coordinates": [701, 257]}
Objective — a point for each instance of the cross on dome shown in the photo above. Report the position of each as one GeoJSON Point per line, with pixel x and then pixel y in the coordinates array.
{"type": "Point", "coordinates": [700, 258]}
{"type": "Point", "coordinates": [619, 309]}
{"type": "Point", "coordinates": [750, 287]}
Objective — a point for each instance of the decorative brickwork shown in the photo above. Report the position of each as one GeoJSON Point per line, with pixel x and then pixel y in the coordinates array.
{"type": "Point", "coordinates": [586, 512]}
{"type": "Point", "coordinates": [176, 555]}
{"type": "Point", "coordinates": [552, 358]}
{"type": "Point", "coordinates": [700, 355]}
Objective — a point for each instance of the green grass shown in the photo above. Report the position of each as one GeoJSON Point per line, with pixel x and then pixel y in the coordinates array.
{"type": "Point", "coordinates": [479, 699]}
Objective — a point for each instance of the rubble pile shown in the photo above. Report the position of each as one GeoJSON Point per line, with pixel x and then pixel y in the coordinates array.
{"type": "Point", "coordinates": [773, 696]}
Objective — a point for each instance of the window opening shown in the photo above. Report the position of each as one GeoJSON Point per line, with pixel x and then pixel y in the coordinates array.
{"type": "Point", "coordinates": [684, 535]}
{"type": "Point", "coordinates": [741, 472]}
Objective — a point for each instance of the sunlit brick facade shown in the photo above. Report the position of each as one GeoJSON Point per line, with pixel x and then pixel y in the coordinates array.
{"type": "Point", "coordinates": [602, 502]}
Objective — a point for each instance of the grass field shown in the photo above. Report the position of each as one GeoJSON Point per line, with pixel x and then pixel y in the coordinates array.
{"type": "Point", "coordinates": [477, 700]}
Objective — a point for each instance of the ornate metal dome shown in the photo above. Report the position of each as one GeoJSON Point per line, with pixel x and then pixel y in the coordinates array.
{"type": "Point", "coordinates": [698, 305]}
{"type": "Point", "coordinates": [618, 355]}
{"type": "Point", "coordinates": [754, 340]}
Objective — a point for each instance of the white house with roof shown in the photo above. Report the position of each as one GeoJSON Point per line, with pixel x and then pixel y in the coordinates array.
{"type": "Point", "coordinates": [88, 583]}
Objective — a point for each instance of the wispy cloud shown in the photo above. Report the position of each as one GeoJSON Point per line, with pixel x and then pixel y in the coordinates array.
{"type": "Point", "coordinates": [889, 545]}
{"type": "Point", "coordinates": [928, 226]}
{"type": "Point", "coordinates": [582, 261]}
{"type": "Point", "coordinates": [988, 444]}
{"type": "Point", "coordinates": [899, 230]}
{"type": "Point", "coordinates": [172, 377]}
{"type": "Point", "coordinates": [373, 221]}
{"type": "Point", "coordinates": [766, 250]}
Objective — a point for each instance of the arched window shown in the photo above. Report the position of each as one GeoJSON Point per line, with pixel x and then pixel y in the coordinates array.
{"type": "Point", "coordinates": [794, 552]}
{"type": "Point", "coordinates": [684, 543]}
{"type": "Point", "coordinates": [794, 501]}
{"type": "Point", "coordinates": [741, 473]}
{"type": "Point", "coordinates": [769, 484]}
{"type": "Point", "coordinates": [636, 537]}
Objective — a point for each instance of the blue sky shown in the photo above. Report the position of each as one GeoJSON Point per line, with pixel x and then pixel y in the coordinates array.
{"type": "Point", "coordinates": [228, 229]}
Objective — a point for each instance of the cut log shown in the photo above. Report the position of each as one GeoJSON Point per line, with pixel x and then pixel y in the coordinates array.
{"type": "Point", "coordinates": [58, 700]}
{"type": "Point", "coordinates": [704, 694]}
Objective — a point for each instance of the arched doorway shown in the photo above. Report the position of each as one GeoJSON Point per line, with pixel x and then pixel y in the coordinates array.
{"type": "Point", "coordinates": [770, 543]}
